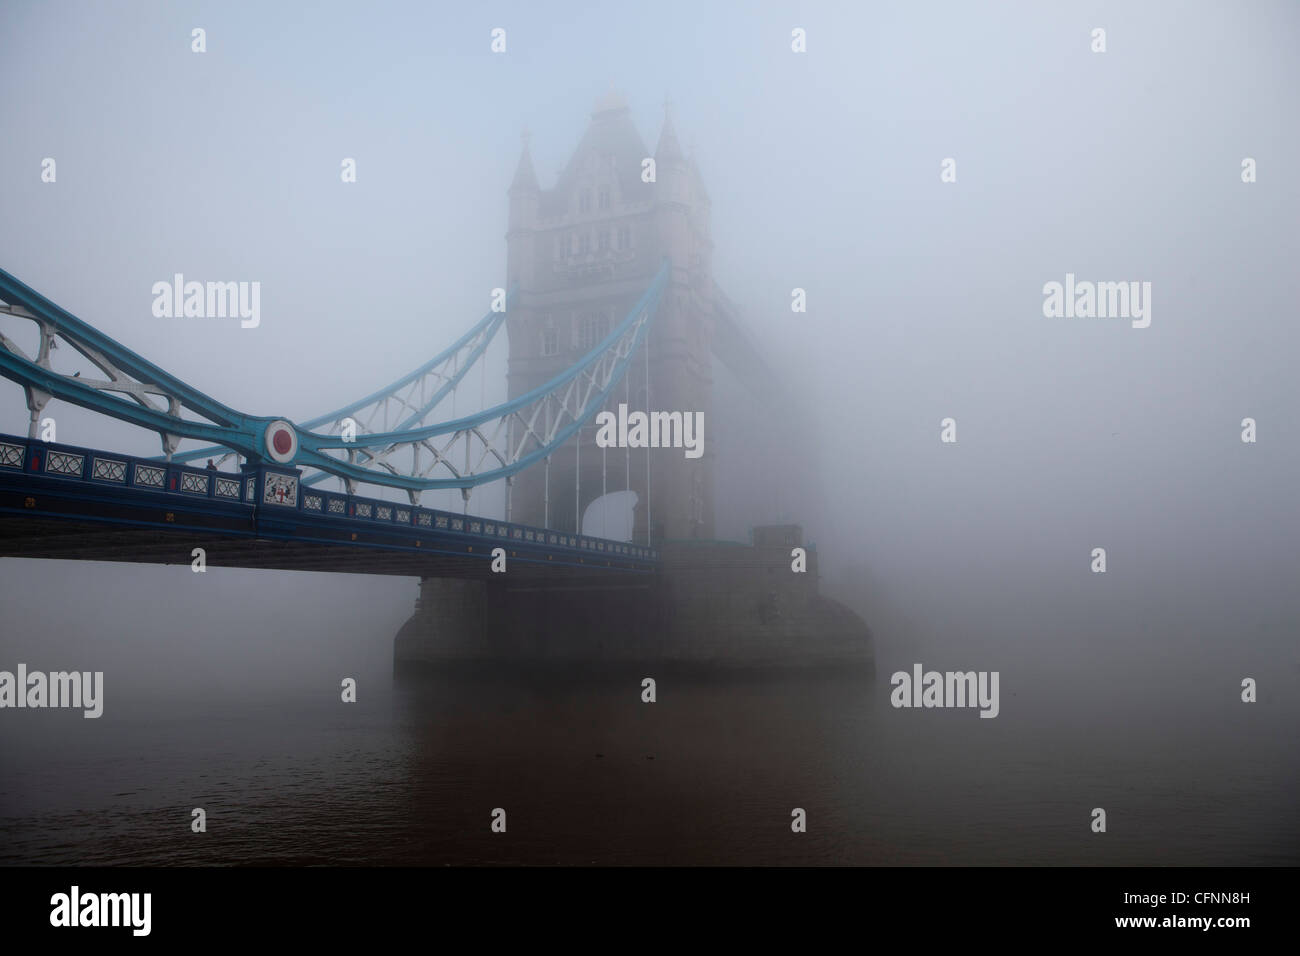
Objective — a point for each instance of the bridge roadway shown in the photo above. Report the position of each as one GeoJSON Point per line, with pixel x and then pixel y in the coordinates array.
{"type": "Point", "coordinates": [63, 501]}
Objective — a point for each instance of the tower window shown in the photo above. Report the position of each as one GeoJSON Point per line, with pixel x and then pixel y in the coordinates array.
{"type": "Point", "coordinates": [584, 244]}
{"type": "Point", "coordinates": [603, 240]}
{"type": "Point", "coordinates": [603, 199]}
{"type": "Point", "coordinates": [624, 237]}
{"type": "Point", "coordinates": [592, 328]}
{"type": "Point", "coordinates": [550, 338]}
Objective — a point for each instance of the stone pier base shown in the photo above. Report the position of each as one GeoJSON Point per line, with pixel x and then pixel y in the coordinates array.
{"type": "Point", "coordinates": [711, 604]}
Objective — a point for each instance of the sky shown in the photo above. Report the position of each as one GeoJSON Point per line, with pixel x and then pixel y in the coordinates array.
{"type": "Point", "coordinates": [924, 297]}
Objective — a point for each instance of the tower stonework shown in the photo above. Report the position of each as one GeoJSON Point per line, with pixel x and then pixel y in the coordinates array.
{"type": "Point", "coordinates": [580, 255]}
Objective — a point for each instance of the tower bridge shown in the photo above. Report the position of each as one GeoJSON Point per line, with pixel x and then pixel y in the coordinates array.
{"type": "Point", "coordinates": [611, 301]}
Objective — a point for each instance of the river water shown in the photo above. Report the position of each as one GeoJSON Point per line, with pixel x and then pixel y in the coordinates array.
{"type": "Point", "coordinates": [588, 773]}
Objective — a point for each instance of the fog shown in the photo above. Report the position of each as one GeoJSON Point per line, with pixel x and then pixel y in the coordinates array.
{"type": "Point", "coordinates": [925, 299]}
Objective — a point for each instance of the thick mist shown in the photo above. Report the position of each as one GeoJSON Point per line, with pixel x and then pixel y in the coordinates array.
{"type": "Point", "coordinates": [925, 302]}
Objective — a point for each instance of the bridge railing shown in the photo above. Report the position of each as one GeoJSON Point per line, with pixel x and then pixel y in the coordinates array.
{"type": "Point", "coordinates": [109, 469]}
{"type": "Point", "coordinates": [72, 465]}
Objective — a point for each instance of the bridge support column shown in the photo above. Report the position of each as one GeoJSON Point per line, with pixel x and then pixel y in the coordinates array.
{"type": "Point", "coordinates": [36, 400]}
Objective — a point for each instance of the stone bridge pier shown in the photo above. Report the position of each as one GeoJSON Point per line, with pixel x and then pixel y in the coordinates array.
{"type": "Point", "coordinates": [712, 604]}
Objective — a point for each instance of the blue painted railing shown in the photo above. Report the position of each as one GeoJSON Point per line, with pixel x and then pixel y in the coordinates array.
{"type": "Point", "coordinates": [93, 468]}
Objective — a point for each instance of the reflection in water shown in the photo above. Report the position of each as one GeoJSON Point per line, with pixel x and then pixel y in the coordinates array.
{"type": "Point", "coordinates": [588, 773]}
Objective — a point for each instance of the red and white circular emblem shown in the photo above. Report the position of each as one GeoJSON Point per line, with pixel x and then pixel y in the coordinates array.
{"type": "Point", "coordinates": [281, 441]}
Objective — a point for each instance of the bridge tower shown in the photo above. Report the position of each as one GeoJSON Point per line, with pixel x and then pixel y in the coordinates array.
{"type": "Point", "coordinates": [582, 253]}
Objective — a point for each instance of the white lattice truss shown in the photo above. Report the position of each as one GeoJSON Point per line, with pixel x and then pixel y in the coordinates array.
{"type": "Point", "coordinates": [410, 405]}
{"type": "Point", "coordinates": [486, 446]}
{"type": "Point", "coordinates": [119, 381]}
{"type": "Point", "coordinates": [506, 438]}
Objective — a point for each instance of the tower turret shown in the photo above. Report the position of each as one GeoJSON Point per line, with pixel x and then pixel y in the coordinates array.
{"type": "Point", "coordinates": [524, 195]}
{"type": "Point", "coordinates": [583, 252]}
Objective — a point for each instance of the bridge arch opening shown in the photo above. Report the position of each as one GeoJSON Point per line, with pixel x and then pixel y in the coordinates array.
{"type": "Point", "coordinates": [611, 516]}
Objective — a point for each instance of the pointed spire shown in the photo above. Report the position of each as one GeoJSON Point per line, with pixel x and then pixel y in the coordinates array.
{"type": "Point", "coordinates": [611, 102]}
{"type": "Point", "coordinates": [668, 150]}
{"type": "Point", "coordinates": [525, 180]}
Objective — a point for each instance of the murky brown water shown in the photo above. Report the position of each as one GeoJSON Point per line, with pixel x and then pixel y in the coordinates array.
{"type": "Point", "coordinates": [588, 773]}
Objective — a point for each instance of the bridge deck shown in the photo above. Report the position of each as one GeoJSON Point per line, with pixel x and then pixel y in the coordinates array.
{"type": "Point", "coordinates": [61, 501]}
